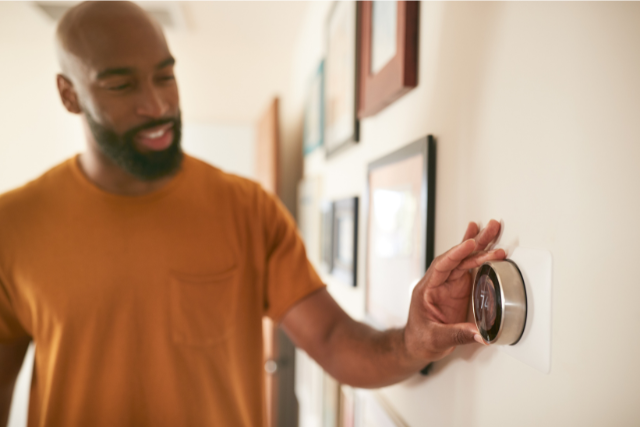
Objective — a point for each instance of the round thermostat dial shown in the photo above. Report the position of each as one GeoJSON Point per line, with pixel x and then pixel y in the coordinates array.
{"type": "Point", "coordinates": [499, 301]}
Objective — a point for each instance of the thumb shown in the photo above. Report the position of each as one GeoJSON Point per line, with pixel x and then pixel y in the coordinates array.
{"type": "Point", "coordinates": [447, 336]}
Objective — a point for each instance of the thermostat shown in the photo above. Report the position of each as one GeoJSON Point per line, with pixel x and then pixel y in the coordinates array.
{"type": "Point", "coordinates": [499, 301]}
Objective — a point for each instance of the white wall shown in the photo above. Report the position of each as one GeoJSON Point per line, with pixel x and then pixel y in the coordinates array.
{"type": "Point", "coordinates": [535, 107]}
{"type": "Point", "coordinates": [229, 147]}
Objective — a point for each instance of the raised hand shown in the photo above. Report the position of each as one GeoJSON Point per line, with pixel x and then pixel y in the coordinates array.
{"type": "Point", "coordinates": [440, 301]}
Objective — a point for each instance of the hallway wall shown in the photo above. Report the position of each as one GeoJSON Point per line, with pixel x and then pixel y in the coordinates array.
{"type": "Point", "coordinates": [535, 108]}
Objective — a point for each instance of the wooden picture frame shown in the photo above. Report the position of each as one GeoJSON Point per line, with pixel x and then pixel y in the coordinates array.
{"type": "Point", "coordinates": [313, 137]}
{"type": "Point", "coordinates": [345, 241]}
{"type": "Point", "coordinates": [347, 409]}
{"type": "Point", "coordinates": [400, 215]}
{"type": "Point", "coordinates": [388, 70]}
{"type": "Point", "coordinates": [342, 128]}
{"type": "Point", "coordinates": [267, 165]}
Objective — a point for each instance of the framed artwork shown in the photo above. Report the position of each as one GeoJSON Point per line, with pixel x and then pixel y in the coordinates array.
{"type": "Point", "coordinates": [309, 216]}
{"type": "Point", "coordinates": [389, 53]}
{"type": "Point", "coordinates": [374, 411]}
{"type": "Point", "coordinates": [314, 113]}
{"type": "Point", "coordinates": [400, 206]}
{"type": "Point", "coordinates": [326, 237]}
{"type": "Point", "coordinates": [309, 380]}
{"type": "Point", "coordinates": [347, 411]}
{"type": "Point", "coordinates": [330, 401]}
{"type": "Point", "coordinates": [341, 76]}
{"type": "Point", "coordinates": [345, 240]}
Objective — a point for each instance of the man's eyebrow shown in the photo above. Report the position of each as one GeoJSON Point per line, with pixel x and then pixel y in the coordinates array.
{"type": "Point", "coordinates": [167, 62]}
{"type": "Point", "coordinates": [122, 71]}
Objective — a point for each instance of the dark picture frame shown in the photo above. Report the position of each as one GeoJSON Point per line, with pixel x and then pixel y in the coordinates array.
{"type": "Point", "coordinates": [383, 83]}
{"type": "Point", "coordinates": [345, 241]}
{"type": "Point", "coordinates": [342, 128]}
{"type": "Point", "coordinates": [400, 215]}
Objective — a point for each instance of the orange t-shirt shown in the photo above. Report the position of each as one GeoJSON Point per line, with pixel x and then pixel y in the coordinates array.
{"type": "Point", "coordinates": [146, 311]}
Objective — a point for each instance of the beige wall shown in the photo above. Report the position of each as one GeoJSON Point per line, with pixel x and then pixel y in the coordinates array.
{"type": "Point", "coordinates": [536, 110]}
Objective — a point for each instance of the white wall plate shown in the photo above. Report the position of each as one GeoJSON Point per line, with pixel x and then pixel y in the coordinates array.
{"type": "Point", "coordinates": [534, 348]}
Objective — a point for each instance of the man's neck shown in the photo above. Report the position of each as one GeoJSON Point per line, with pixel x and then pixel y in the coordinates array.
{"type": "Point", "coordinates": [105, 174]}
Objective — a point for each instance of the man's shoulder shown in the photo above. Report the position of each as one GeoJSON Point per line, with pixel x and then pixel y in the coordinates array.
{"type": "Point", "coordinates": [34, 192]}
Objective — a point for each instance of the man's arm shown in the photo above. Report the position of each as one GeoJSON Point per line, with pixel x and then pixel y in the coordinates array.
{"type": "Point", "coordinates": [359, 355]}
{"type": "Point", "coordinates": [11, 358]}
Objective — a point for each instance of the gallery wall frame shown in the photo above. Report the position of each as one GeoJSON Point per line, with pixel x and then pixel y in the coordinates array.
{"type": "Point", "coordinates": [330, 401]}
{"type": "Point", "coordinates": [326, 237]}
{"type": "Point", "coordinates": [347, 409]}
{"type": "Point", "coordinates": [400, 216]}
{"type": "Point", "coordinates": [342, 128]}
{"type": "Point", "coordinates": [345, 241]}
{"type": "Point", "coordinates": [314, 113]}
{"type": "Point", "coordinates": [389, 53]}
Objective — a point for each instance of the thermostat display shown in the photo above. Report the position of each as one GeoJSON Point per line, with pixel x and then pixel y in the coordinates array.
{"type": "Point", "coordinates": [499, 302]}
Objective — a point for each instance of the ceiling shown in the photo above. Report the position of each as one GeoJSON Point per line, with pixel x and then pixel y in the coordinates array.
{"type": "Point", "coordinates": [232, 57]}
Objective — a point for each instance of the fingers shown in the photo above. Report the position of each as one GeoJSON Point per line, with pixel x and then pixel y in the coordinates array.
{"type": "Point", "coordinates": [450, 260]}
{"type": "Point", "coordinates": [447, 336]}
{"type": "Point", "coordinates": [487, 235]}
{"type": "Point", "coordinates": [480, 258]}
{"type": "Point", "coordinates": [472, 231]}
{"type": "Point", "coordinates": [476, 260]}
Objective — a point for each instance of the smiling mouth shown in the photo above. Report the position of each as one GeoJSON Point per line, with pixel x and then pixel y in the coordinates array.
{"type": "Point", "coordinates": [156, 138]}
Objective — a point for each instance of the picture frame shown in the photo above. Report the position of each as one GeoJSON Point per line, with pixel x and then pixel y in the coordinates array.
{"type": "Point", "coordinates": [330, 401]}
{"type": "Point", "coordinates": [389, 53]}
{"type": "Point", "coordinates": [400, 215]}
{"type": "Point", "coordinates": [342, 128]}
{"type": "Point", "coordinates": [326, 237]}
{"type": "Point", "coordinates": [345, 241]}
{"type": "Point", "coordinates": [347, 408]}
{"type": "Point", "coordinates": [313, 135]}
{"type": "Point", "coordinates": [373, 410]}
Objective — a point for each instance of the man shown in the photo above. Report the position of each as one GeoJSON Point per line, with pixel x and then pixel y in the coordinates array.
{"type": "Point", "coordinates": [142, 274]}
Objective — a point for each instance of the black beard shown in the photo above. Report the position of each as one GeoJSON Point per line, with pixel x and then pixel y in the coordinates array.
{"type": "Point", "coordinates": [122, 151]}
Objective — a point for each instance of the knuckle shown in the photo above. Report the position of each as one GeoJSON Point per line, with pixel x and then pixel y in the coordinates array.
{"type": "Point", "coordinates": [459, 337]}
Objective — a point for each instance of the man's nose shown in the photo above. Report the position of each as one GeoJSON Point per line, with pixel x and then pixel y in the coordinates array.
{"type": "Point", "coordinates": [151, 103]}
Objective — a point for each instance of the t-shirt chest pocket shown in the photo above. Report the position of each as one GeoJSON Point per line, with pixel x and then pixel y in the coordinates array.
{"type": "Point", "coordinates": [203, 308]}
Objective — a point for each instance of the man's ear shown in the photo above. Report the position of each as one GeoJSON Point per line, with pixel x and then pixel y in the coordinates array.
{"type": "Point", "coordinates": [68, 94]}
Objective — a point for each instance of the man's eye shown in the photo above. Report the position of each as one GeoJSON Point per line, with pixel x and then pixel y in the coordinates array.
{"type": "Point", "coordinates": [166, 78]}
{"type": "Point", "coordinates": [119, 87]}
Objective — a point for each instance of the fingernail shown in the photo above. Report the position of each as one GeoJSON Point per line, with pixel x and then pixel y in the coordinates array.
{"type": "Point", "coordinates": [478, 338]}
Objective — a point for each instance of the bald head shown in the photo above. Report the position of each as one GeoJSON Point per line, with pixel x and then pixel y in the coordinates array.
{"type": "Point", "coordinates": [93, 31]}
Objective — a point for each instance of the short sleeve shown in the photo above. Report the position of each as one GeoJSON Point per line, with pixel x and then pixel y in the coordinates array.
{"type": "Point", "coordinates": [289, 275]}
{"type": "Point", "coordinates": [10, 327]}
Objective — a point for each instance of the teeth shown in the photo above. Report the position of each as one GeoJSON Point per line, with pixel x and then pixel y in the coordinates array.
{"type": "Point", "coordinates": [154, 135]}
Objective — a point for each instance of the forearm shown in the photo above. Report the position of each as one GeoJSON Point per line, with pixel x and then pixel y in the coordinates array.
{"type": "Point", "coordinates": [358, 355]}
